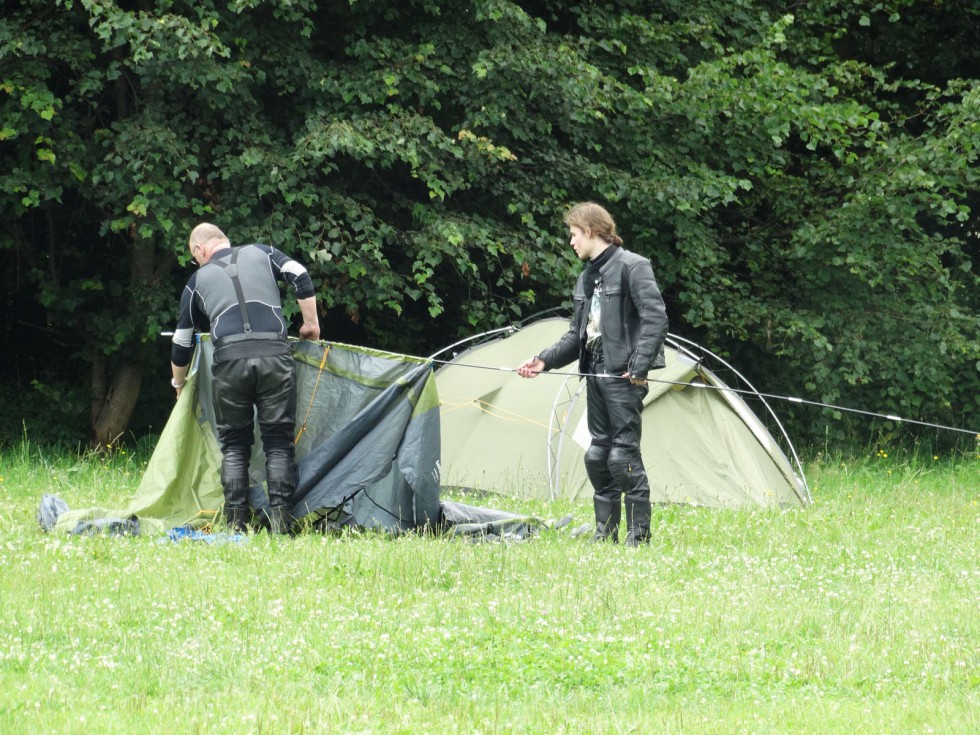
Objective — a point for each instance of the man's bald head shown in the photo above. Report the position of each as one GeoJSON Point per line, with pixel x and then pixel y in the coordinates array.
{"type": "Point", "coordinates": [205, 239]}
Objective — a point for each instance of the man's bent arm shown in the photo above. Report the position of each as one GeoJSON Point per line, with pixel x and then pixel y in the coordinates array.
{"type": "Point", "coordinates": [311, 322]}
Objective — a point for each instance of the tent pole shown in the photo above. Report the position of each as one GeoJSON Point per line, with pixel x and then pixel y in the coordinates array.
{"type": "Point", "coordinates": [554, 455]}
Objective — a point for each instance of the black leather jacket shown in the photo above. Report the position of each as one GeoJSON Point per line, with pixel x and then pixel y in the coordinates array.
{"type": "Point", "coordinates": [634, 320]}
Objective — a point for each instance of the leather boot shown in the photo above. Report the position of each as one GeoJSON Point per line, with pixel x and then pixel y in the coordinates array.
{"type": "Point", "coordinates": [237, 518]}
{"type": "Point", "coordinates": [281, 493]}
{"type": "Point", "coordinates": [637, 521]}
{"type": "Point", "coordinates": [280, 520]}
{"type": "Point", "coordinates": [607, 515]}
{"type": "Point", "coordinates": [237, 513]}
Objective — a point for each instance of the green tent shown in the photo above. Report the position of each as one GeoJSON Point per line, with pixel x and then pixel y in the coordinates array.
{"type": "Point", "coordinates": [376, 432]}
{"type": "Point", "coordinates": [701, 443]}
{"type": "Point", "coordinates": [367, 449]}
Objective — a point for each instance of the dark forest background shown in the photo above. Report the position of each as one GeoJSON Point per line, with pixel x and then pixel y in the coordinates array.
{"type": "Point", "coordinates": [802, 175]}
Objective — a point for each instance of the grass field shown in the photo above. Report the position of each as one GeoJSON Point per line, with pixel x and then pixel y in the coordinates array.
{"type": "Point", "coordinates": [860, 614]}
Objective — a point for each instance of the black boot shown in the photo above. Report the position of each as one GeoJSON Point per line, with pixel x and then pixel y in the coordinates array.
{"type": "Point", "coordinates": [237, 513]}
{"type": "Point", "coordinates": [607, 515]}
{"type": "Point", "coordinates": [237, 518]}
{"type": "Point", "coordinates": [627, 467]}
{"type": "Point", "coordinates": [280, 493]}
{"type": "Point", "coordinates": [280, 520]}
{"type": "Point", "coordinates": [637, 521]}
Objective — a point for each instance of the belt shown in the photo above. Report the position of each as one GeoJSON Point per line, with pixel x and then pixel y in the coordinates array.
{"type": "Point", "coordinates": [245, 336]}
{"type": "Point", "coordinates": [236, 349]}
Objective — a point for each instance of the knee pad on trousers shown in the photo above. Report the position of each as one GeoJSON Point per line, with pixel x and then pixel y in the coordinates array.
{"type": "Point", "coordinates": [237, 437]}
{"type": "Point", "coordinates": [625, 464]}
{"type": "Point", "coordinates": [596, 467]}
{"type": "Point", "coordinates": [280, 466]}
{"type": "Point", "coordinates": [596, 458]}
{"type": "Point", "coordinates": [236, 452]}
{"type": "Point", "coordinates": [234, 469]}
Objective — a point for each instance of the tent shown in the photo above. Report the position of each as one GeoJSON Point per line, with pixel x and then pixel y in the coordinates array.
{"type": "Point", "coordinates": [377, 432]}
{"type": "Point", "coordinates": [702, 444]}
{"type": "Point", "coordinates": [367, 450]}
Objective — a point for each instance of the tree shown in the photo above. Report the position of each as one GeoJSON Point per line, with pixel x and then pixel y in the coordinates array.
{"type": "Point", "coordinates": [808, 202]}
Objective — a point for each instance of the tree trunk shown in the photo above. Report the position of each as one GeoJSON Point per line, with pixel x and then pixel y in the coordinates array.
{"type": "Point", "coordinates": [114, 398]}
{"type": "Point", "coordinates": [117, 406]}
{"type": "Point", "coordinates": [99, 368]}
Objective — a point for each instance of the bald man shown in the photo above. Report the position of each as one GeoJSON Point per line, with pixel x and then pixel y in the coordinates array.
{"type": "Point", "coordinates": [235, 296]}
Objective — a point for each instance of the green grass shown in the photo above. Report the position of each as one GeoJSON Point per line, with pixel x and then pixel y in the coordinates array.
{"type": "Point", "coordinates": [856, 615]}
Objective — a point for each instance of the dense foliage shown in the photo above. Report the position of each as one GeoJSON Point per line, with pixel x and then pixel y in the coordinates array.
{"type": "Point", "coordinates": [805, 184]}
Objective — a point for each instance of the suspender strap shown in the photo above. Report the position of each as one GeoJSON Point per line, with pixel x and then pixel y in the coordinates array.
{"type": "Point", "coordinates": [250, 344]}
{"type": "Point", "coordinates": [231, 268]}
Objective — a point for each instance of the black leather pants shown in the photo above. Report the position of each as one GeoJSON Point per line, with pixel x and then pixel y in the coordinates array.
{"type": "Point", "coordinates": [613, 460]}
{"type": "Point", "coordinates": [246, 389]}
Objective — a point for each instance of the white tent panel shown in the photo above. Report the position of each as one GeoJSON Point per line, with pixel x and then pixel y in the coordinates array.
{"type": "Point", "coordinates": [505, 434]}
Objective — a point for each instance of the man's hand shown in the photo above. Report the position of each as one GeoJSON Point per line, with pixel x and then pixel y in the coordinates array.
{"type": "Point", "coordinates": [309, 331]}
{"type": "Point", "coordinates": [311, 322]}
{"type": "Point", "coordinates": [178, 376]}
{"type": "Point", "coordinates": [635, 381]}
{"type": "Point", "coordinates": [531, 368]}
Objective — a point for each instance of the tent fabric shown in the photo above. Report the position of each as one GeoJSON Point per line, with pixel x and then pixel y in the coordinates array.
{"type": "Point", "coordinates": [381, 467]}
{"type": "Point", "coordinates": [367, 451]}
{"type": "Point", "coordinates": [474, 522]}
{"type": "Point", "coordinates": [377, 432]}
{"type": "Point", "coordinates": [701, 445]}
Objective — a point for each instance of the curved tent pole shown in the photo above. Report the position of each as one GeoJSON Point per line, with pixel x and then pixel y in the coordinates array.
{"type": "Point", "coordinates": [685, 346]}
{"type": "Point", "coordinates": [679, 342]}
{"type": "Point", "coordinates": [564, 309]}
{"type": "Point", "coordinates": [556, 430]}
{"type": "Point", "coordinates": [689, 348]}
{"type": "Point", "coordinates": [509, 328]}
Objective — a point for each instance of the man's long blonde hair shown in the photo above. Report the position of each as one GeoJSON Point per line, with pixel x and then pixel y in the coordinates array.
{"type": "Point", "coordinates": [592, 217]}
